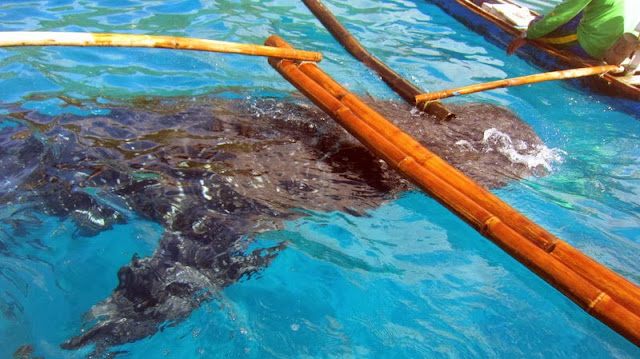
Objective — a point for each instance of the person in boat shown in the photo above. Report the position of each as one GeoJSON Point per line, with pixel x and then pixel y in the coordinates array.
{"type": "Point", "coordinates": [586, 27]}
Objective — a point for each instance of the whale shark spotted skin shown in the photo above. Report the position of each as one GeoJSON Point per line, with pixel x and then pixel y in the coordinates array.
{"type": "Point", "coordinates": [215, 172]}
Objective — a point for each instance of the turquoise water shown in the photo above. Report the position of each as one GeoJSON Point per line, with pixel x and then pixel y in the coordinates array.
{"type": "Point", "coordinates": [410, 280]}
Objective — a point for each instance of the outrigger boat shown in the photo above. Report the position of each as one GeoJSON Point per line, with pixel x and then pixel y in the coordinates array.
{"type": "Point", "coordinates": [486, 18]}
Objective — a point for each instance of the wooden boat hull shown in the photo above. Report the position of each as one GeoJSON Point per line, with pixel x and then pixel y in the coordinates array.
{"type": "Point", "coordinates": [501, 33]}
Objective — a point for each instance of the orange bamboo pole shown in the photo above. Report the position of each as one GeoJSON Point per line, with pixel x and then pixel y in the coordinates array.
{"type": "Point", "coordinates": [39, 38]}
{"type": "Point", "coordinates": [523, 80]}
{"type": "Point", "coordinates": [388, 142]}
{"type": "Point", "coordinates": [523, 225]}
{"type": "Point", "coordinates": [624, 290]}
{"type": "Point", "coordinates": [397, 83]}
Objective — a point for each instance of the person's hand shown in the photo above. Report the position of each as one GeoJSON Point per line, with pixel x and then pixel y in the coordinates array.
{"type": "Point", "coordinates": [515, 44]}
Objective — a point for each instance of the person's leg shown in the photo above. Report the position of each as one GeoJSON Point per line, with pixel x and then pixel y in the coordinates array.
{"type": "Point", "coordinates": [565, 37]}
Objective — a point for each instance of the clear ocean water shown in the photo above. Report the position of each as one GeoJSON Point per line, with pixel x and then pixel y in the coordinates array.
{"type": "Point", "coordinates": [410, 280]}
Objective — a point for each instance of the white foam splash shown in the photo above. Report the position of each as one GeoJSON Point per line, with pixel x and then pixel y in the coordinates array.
{"type": "Point", "coordinates": [465, 146]}
{"type": "Point", "coordinates": [532, 156]}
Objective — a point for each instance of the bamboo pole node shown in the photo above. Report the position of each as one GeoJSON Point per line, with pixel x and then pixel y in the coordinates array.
{"type": "Point", "coordinates": [488, 223]}
{"type": "Point", "coordinates": [596, 301]}
{"type": "Point", "coordinates": [406, 162]}
{"type": "Point", "coordinates": [341, 110]}
{"type": "Point", "coordinates": [45, 38]}
{"type": "Point", "coordinates": [550, 247]}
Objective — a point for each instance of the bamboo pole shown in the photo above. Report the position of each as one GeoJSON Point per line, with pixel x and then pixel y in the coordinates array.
{"type": "Point", "coordinates": [624, 290]}
{"type": "Point", "coordinates": [397, 83]}
{"type": "Point", "coordinates": [523, 80]}
{"type": "Point", "coordinates": [602, 276]}
{"type": "Point", "coordinates": [387, 141]}
{"type": "Point", "coordinates": [40, 38]}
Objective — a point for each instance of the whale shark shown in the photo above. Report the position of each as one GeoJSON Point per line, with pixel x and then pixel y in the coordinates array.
{"type": "Point", "coordinates": [215, 172]}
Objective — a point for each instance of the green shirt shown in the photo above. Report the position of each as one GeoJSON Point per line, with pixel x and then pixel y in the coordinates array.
{"type": "Point", "coordinates": [603, 21]}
